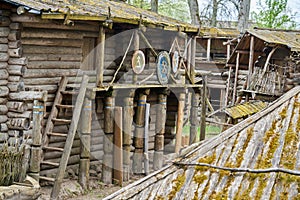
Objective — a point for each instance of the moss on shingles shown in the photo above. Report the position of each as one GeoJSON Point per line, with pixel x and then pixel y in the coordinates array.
{"type": "Point", "coordinates": [177, 184]}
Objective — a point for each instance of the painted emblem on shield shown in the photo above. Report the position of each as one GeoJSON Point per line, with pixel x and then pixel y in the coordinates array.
{"type": "Point", "coordinates": [138, 62]}
{"type": "Point", "coordinates": [163, 67]}
{"type": "Point", "coordinates": [175, 61]}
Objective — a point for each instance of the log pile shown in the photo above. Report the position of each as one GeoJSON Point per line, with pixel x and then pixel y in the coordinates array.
{"type": "Point", "coordinates": [4, 32]}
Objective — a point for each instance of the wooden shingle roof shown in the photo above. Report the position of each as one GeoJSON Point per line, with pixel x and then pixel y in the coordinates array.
{"type": "Point", "coordinates": [100, 10]}
{"type": "Point", "coordinates": [258, 158]}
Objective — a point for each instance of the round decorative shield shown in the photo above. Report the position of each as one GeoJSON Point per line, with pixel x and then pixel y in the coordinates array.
{"type": "Point", "coordinates": [175, 61]}
{"type": "Point", "coordinates": [138, 62]}
{"type": "Point", "coordinates": [163, 67]}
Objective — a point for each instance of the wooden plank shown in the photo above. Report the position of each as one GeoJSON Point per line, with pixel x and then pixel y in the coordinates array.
{"type": "Point", "coordinates": [146, 139]}
{"type": "Point", "coordinates": [203, 108]}
{"type": "Point", "coordinates": [118, 150]}
{"type": "Point", "coordinates": [101, 55]}
{"type": "Point", "coordinates": [251, 60]}
{"type": "Point", "coordinates": [235, 78]}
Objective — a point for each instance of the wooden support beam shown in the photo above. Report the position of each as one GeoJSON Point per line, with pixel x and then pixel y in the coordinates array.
{"type": "Point", "coordinates": [85, 128]}
{"type": "Point", "coordinates": [235, 78]}
{"type": "Point", "coordinates": [193, 59]}
{"type": "Point", "coordinates": [228, 51]}
{"type": "Point", "coordinates": [161, 115]}
{"type": "Point", "coordinates": [107, 163]}
{"type": "Point", "coordinates": [203, 108]}
{"type": "Point", "coordinates": [251, 61]}
{"type": "Point", "coordinates": [101, 55]}
{"type": "Point", "coordinates": [127, 134]}
{"type": "Point", "coordinates": [194, 117]}
{"type": "Point", "coordinates": [118, 154]}
{"type": "Point", "coordinates": [179, 124]}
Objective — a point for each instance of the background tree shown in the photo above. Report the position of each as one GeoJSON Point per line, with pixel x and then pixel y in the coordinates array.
{"type": "Point", "coordinates": [154, 6]}
{"type": "Point", "coordinates": [194, 11]}
{"type": "Point", "coordinates": [274, 14]}
{"type": "Point", "coordinates": [243, 15]}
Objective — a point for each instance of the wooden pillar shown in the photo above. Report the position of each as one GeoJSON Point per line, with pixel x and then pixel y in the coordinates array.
{"type": "Point", "coordinates": [100, 56]}
{"type": "Point", "coordinates": [228, 50]}
{"type": "Point", "coordinates": [139, 133]}
{"type": "Point", "coordinates": [208, 49]}
{"type": "Point", "coordinates": [179, 124]}
{"type": "Point", "coordinates": [35, 160]}
{"type": "Point", "coordinates": [161, 115]}
{"type": "Point", "coordinates": [108, 140]}
{"type": "Point", "coordinates": [194, 117]}
{"type": "Point", "coordinates": [127, 134]}
{"type": "Point", "coordinates": [118, 154]}
{"type": "Point", "coordinates": [193, 59]}
{"type": "Point", "coordinates": [189, 56]}
{"type": "Point", "coordinates": [228, 86]}
{"type": "Point", "coordinates": [203, 108]}
{"type": "Point", "coordinates": [251, 60]}
{"type": "Point", "coordinates": [85, 127]}
{"type": "Point", "coordinates": [236, 78]}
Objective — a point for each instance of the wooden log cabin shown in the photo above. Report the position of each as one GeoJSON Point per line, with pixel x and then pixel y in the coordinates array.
{"type": "Point", "coordinates": [263, 66]}
{"type": "Point", "coordinates": [129, 72]}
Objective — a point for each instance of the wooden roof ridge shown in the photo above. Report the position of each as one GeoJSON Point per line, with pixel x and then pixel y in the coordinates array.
{"type": "Point", "coordinates": [204, 147]}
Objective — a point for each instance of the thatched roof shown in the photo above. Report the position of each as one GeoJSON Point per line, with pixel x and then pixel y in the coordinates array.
{"type": "Point", "coordinates": [258, 157]}
{"type": "Point", "coordinates": [100, 10]}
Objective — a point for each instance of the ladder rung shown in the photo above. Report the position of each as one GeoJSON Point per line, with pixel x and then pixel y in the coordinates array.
{"type": "Point", "coordinates": [69, 92]}
{"type": "Point", "coordinates": [46, 178]}
{"type": "Point", "coordinates": [65, 106]}
{"type": "Point", "coordinates": [54, 148]}
{"type": "Point", "coordinates": [61, 120]}
{"type": "Point", "coordinates": [50, 163]}
{"type": "Point", "coordinates": [58, 134]}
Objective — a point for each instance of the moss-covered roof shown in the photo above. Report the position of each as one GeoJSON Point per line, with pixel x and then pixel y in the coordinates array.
{"type": "Point", "coordinates": [245, 109]}
{"type": "Point", "coordinates": [99, 10]}
{"type": "Point", "coordinates": [263, 150]}
{"type": "Point", "coordinates": [219, 32]}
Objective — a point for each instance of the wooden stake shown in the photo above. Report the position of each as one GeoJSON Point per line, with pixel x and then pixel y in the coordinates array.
{"type": "Point", "coordinates": [179, 124]}
{"type": "Point", "coordinates": [101, 55]}
{"type": "Point", "coordinates": [118, 154]}
{"type": "Point", "coordinates": [203, 108]}
{"type": "Point", "coordinates": [85, 143]}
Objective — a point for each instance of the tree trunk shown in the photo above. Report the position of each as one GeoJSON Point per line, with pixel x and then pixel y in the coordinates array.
{"type": "Point", "coordinates": [194, 11]}
{"type": "Point", "coordinates": [243, 16]}
{"type": "Point", "coordinates": [214, 13]}
{"type": "Point", "coordinates": [154, 6]}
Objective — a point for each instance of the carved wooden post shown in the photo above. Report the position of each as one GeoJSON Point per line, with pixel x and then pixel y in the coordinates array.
{"type": "Point", "coordinates": [161, 115]}
{"type": "Point", "coordinates": [35, 160]}
{"type": "Point", "coordinates": [100, 57]}
{"type": "Point", "coordinates": [118, 155]}
{"type": "Point", "coordinates": [127, 134]}
{"type": "Point", "coordinates": [139, 133]}
{"type": "Point", "coordinates": [203, 108]}
{"type": "Point", "coordinates": [85, 143]}
{"type": "Point", "coordinates": [108, 140]}
{"type": "Point", "coordinates": [179, 124]}
{"type": "Point", "coordinates": [194, 117]}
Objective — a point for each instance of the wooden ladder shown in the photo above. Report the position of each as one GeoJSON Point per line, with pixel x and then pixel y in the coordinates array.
{"type": "Point", "coordinates": [54, 119]}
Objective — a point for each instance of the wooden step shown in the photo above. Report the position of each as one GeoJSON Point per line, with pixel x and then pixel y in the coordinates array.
{"type": "Point", "coordinates": [65, 106]}
{"type": "Point", "coordinates": [50, 163]}
{"type": "Point", "coordinates": [54, 149]}
{"type": "Point", "coordinates": [45, 178]}
{"type": "Point", "coordinates": [58, 134]}
{"type": "Point", "coordinates": [67, 121]}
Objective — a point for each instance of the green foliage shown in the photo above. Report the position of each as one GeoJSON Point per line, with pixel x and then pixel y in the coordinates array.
{"type": "Point", "coordinates": [274, 14]}
{"type": "Point", "coordinates": [177, 9]}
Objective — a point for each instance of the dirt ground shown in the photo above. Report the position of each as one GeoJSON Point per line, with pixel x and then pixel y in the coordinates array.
{"type": "Point", "coordinates": [71, 190]}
